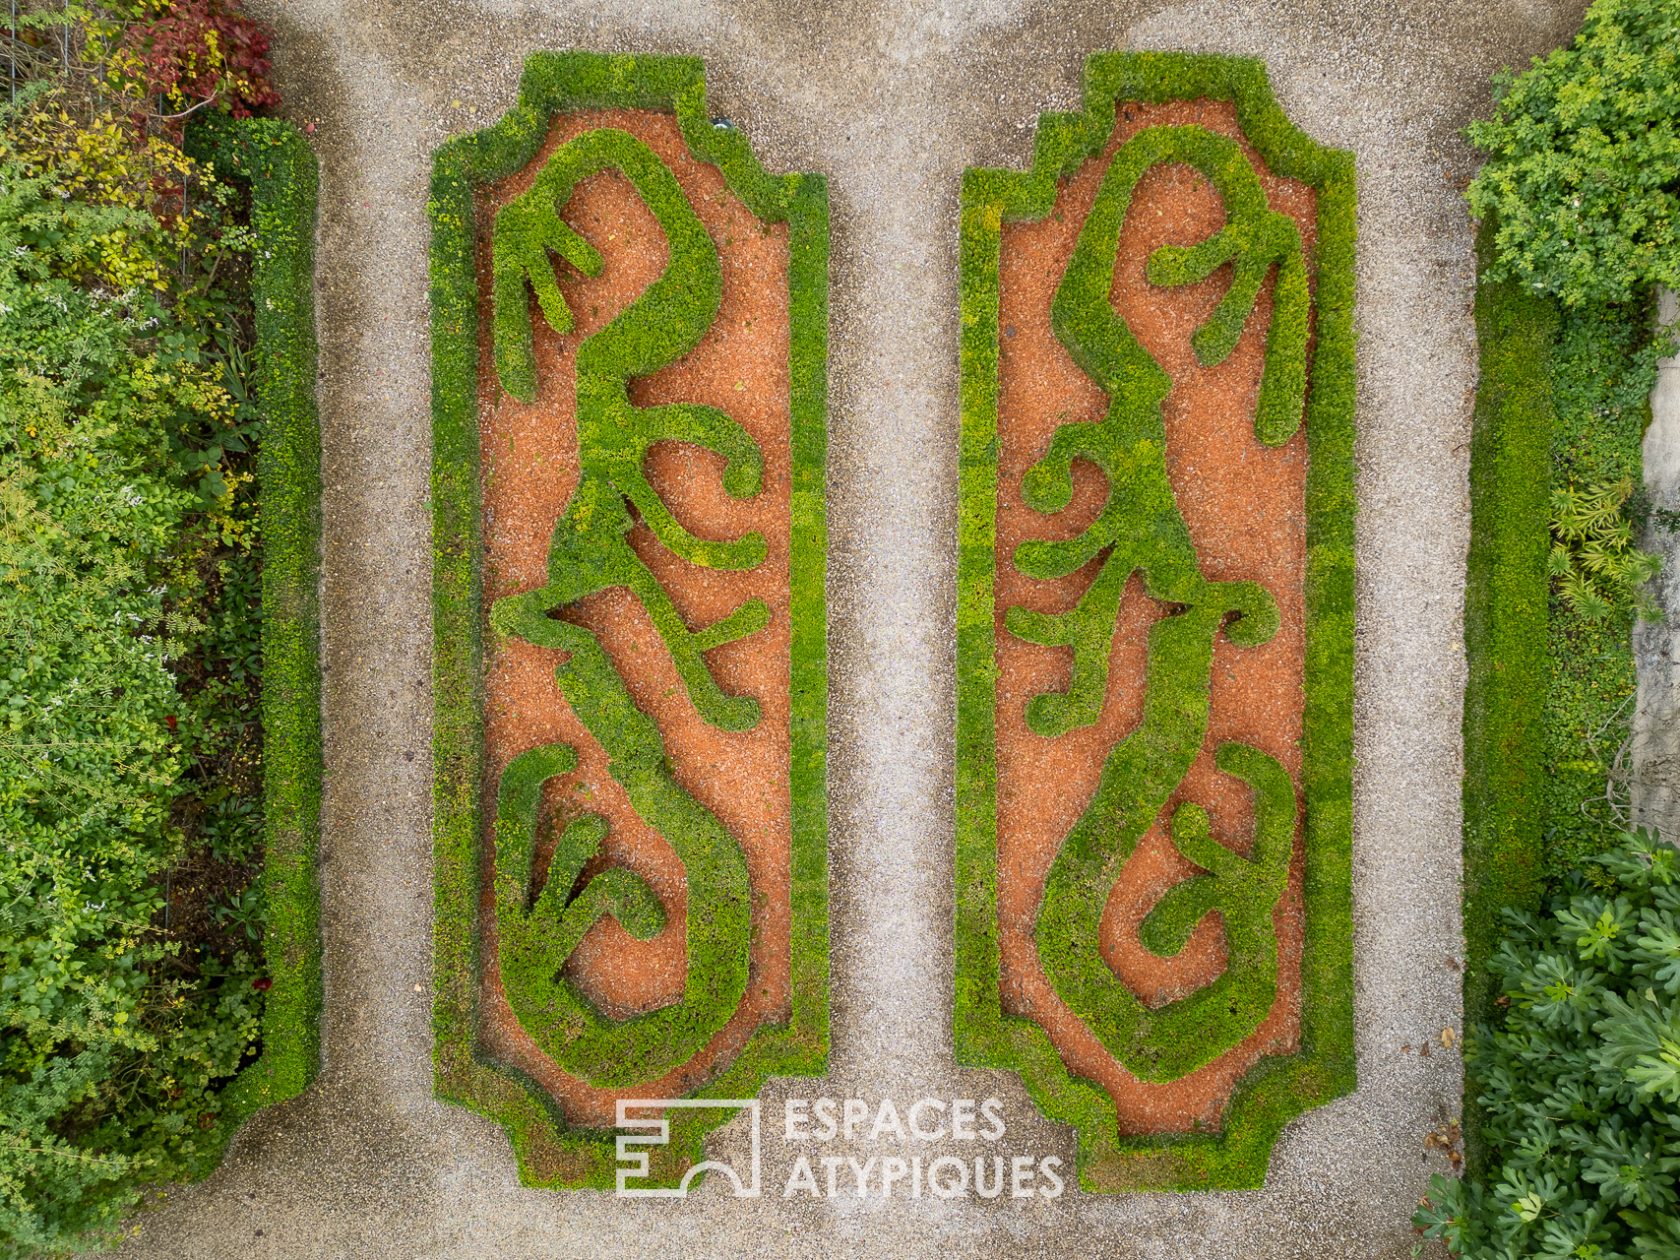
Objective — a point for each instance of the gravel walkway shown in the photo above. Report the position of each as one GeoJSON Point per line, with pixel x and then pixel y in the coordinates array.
{"type": "Point", "coordinates": [892, 99]}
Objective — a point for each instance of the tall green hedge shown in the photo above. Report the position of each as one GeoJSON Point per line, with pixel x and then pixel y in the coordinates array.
{"type": "Point", "coordinates": [1506, 620]}
{"type": "Point", "coordinates": [1576, 197]}
{"type": "Point", "coordinates": [1562, 400]}
{"type": "Point", "coordinates": [276, 161]}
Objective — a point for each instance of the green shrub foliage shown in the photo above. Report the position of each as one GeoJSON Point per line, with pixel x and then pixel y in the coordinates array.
{"type": "Point", "coordinates": [1141, 530]}
{"type": "Point", "coordinates": [1580, 1076]}
{"type": "Point", "coordinates": [114, 1036]}
{"type": "Point", "coordinates": [1594, 563]}
{"type": "Point", "coordinates": [1583, 169]}
{"type": "Point", "coordinates": [540, 921]}
{"type": "Point", "coordinates": [140, 371]}
{"type": "Point", "coordinates": [1555, 584]}
{"type": "Point", "coordinates": [1600, 382]}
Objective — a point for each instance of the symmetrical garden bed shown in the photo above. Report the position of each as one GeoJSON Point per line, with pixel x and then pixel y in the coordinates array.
{"type": "Point", "coordinates": [1155, 630]}
{"type": "Point", "coordinates": [629, 345]}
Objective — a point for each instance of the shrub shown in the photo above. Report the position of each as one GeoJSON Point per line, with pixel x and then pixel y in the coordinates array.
{"type": "Point", "coordinates": [1581, 1076]}
{"type": "Point", "coordinates": [130, 739]}
{"type": "Point", "coordinates": [192, 54]}
{"type": "Point", "coordinates": [1583, 167]}
{"type": "Point", "coordinates": [1594, 564]}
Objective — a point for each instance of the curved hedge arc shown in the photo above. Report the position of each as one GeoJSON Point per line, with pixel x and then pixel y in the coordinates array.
{"type": "Point", "coordinates": [1126, 447]}
{"type": "Point", "coordinates": [588, 553]}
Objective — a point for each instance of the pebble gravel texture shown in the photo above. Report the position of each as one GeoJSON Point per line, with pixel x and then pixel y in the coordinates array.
{"type": "Point", "coordinates": [892, 99]}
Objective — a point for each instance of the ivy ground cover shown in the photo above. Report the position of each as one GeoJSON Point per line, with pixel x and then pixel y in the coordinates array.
{"type": "Point", "coordinates": [629, 339]}
{"type": "Point", "coordinates": [1155, 623]}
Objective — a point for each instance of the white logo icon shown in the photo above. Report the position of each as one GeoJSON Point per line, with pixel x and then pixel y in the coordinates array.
{"type": "Point", "coordinates": [649, 1131]}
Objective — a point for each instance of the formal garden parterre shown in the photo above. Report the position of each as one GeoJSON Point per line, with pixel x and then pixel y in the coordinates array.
{"type": "Point", "coordinates": [630, 321]}
{"type": "Point", "coordinates": [1153, 923]}
{"type": "Point", "coordinates": [1193, 1068]}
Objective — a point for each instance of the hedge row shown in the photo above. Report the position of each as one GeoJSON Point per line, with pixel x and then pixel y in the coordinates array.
{"type": "Point", "coordinates": [1561, 401]}
{"type": "Point", "coordinates": [276, 161]}
{"type": "Point", "coordinates": [552, 1152]}
{"type": "Point", "coordinates": [1278, 1088]}
{"type": "Point", "coordinates": [1505, 625]}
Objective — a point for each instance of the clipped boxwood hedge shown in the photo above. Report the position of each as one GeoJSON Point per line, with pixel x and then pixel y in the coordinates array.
{"type": "Point", "coordinates": [277, 162]}
{"type": "Point", "coordinates": [272, 157]}
{"type": "Point", "coordinates": [1140, 520]}
{"type": "Point", "coordinates": [539, 927]}
{"type": "Point", "coordinates": [1505, 626]}
{"type": "Point", "coordinates": [1561, 401]}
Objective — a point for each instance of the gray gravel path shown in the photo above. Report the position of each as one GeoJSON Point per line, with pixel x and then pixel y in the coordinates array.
{"type": "Point", "coordinates": [892, 100]}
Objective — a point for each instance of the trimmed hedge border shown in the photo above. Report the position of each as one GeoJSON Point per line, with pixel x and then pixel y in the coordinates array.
{"type": "Point", "coordinates": [1546, 692]}
{"type": "Point", "coordinates": [277, 162]}
{"type": "Point", "coordinates": [1278, 1088]}
{"type": "Point", "coordinates": [1507, 592]}
{"type": "Point", "coordinates": [550, 1152]}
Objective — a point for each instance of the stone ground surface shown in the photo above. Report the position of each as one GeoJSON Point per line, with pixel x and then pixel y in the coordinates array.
{"type": "Point", "coordinates": [892, 100]}
{"type": "Point", "coordinates": [1655, 764]}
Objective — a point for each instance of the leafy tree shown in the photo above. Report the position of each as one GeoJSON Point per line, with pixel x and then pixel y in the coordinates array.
{"type": "Point", "coordinates": [1583, 169]}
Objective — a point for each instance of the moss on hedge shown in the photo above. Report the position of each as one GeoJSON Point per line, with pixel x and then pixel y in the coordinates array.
{"type": "Point", "coordinates": [552, 1152]}
{"type": "Point", "coordinates": [1278, 1088]}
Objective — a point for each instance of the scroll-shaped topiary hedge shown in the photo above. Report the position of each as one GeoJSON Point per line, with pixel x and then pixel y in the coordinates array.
{"type": "Point", "coordinates": [539, 924]}
{"type": "Point", "coordinates": [1140, 530]}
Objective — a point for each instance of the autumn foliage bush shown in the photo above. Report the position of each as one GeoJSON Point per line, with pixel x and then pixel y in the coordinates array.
{"type": "Point", "coordinates": [195, 53]}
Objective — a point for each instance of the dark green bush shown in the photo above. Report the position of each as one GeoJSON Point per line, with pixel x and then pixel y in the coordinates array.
{"type": "Point", "coordinates": [1580, 1076]}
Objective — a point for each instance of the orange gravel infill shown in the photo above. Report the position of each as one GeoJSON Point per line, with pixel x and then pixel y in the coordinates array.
{"type": "Point", "coordinates": [529, 470]}
{"type": "Point", "coordinates": [1245, 507]}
